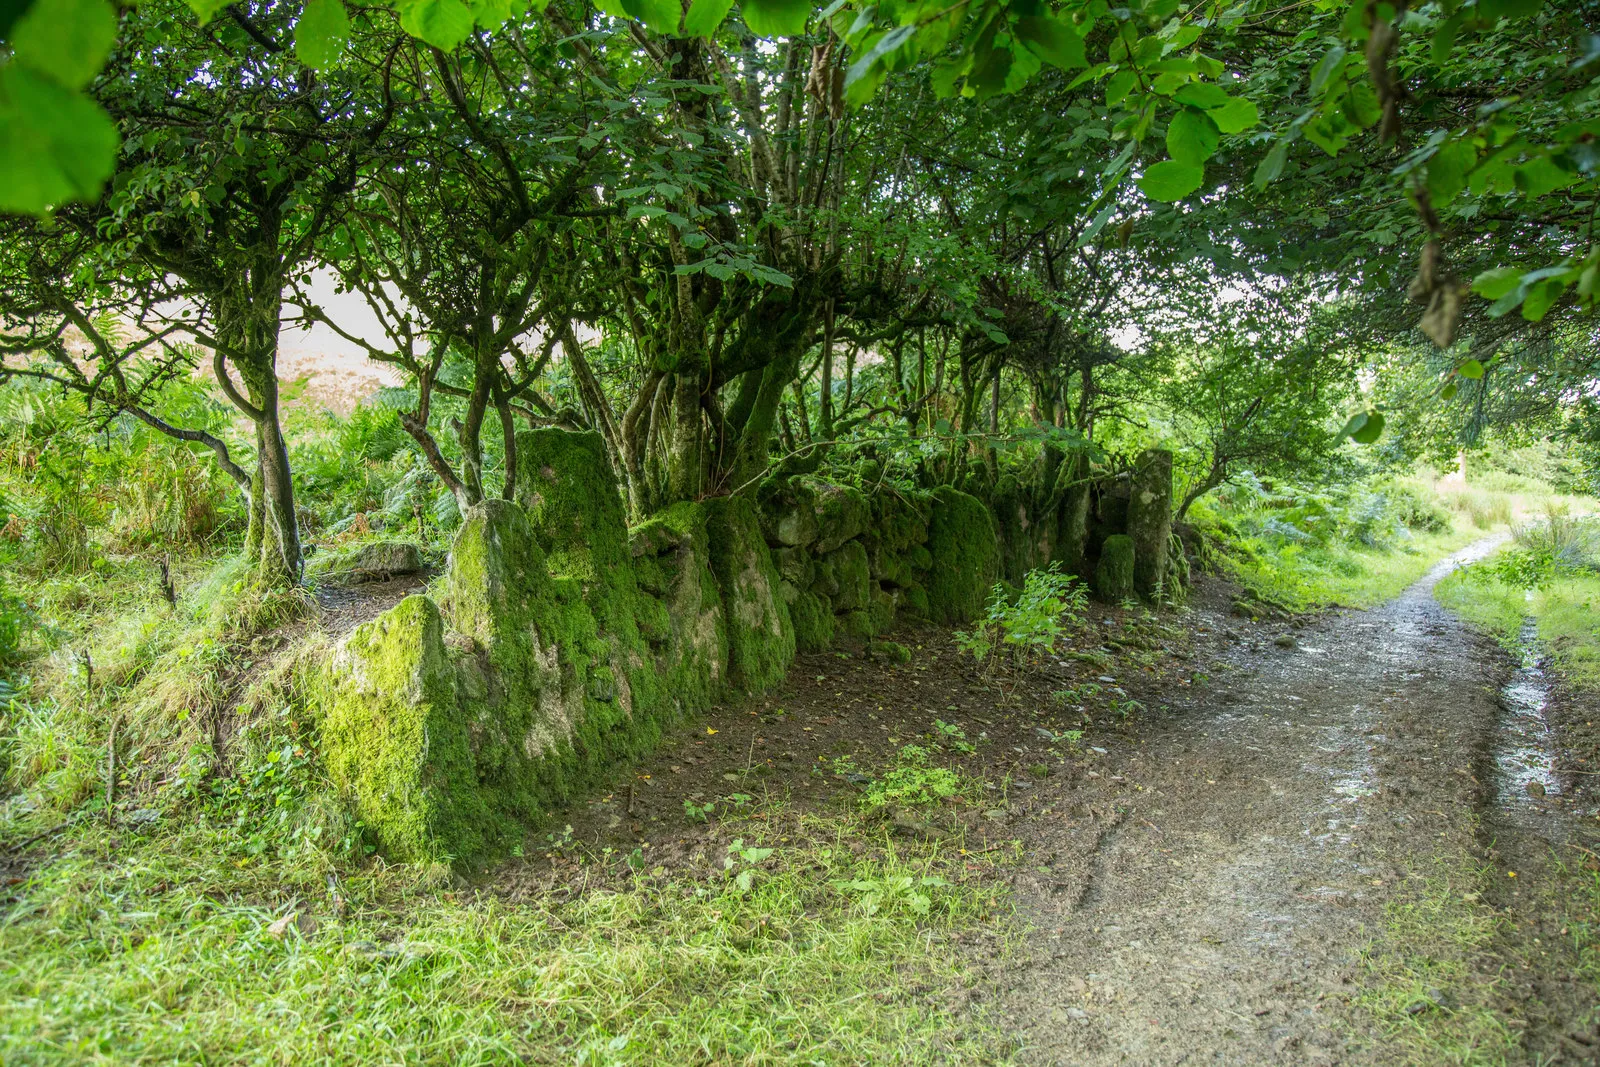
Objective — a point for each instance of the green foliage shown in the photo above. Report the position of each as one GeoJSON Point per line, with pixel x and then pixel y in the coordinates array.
{"type": "Point", "coordinates": [1028, 628]}
{"type": "Point", "coordinates": [55, 144]}
{"type": "Point", "coordinates": [1547, 548]}
{"type": "Point", "coordinates": [913, 781]}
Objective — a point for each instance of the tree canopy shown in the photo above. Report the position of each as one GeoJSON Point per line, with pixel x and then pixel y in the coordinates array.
{"type": "Point", "coordinates": [734, 241]}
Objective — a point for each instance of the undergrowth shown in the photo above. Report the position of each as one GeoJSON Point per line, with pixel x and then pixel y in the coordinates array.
{"type": "Point", "coordinates": [1354, 545]}
{"type": "Point", "coordinates": [1550, 572]}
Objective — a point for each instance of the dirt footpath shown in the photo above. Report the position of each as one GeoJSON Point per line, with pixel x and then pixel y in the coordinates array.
{"type": "Point", "coordinates": [1208, 896]}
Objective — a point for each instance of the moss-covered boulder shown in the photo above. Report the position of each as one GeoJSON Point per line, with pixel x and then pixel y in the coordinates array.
{"type": "Point", "coordinates": [852, 574]}
{"type": "Point", "coordinates": [691, 662]}
{"type": "Point", "coordinates": [796, 565]}
{"type": "Point", "coordinates": [882, 605]}
{"type": "Point", "coordinates": [843, 514]}
{"type": "Point", "coordinates": [1113, 576]}
{"type": "Point", "coordinates": [574, 504]}
{"type": "Point", "coordinates": [1150, 521]}
{"type": "Point", "coordinates": [545, 708]}
{"type": "Point", "coordinates": [901, 519]}
{"type": "Point", "coordinates": [374, 561]}
{"type": "Point", "coordinates": [889, 652]}
{"type": "Point", "coordinates": [394, 741]}
{"type": "Point", "coordinates": [760, 632]}
{"type": "Point", "coordinates": [789, 514]}
{"type": "Point", "coordinates": [856, 624]}
{"type": "Point", "coordinates": [965, 551]}
{"type": "Point", "coordinates": [813, 622]}
{"type": "Point", "coordinates": [1027, 537]}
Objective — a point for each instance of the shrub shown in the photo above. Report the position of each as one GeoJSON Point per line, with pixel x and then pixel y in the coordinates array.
{"type": "Point", "coordinates": [1048, 609]}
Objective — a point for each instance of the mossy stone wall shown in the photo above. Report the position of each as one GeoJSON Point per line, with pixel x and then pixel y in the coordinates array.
{"type": "Point", "coordinates": [558, 643]}
{"type": "Point", "coordinates": [1113, 576]}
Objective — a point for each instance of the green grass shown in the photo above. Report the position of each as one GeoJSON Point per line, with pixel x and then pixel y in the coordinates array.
{"type": "Point", "coordinates": [1433, 983]}
{"type": "Point", "coordinates": [1311, 576]}
{"type": "Point", "coordinates": [1564, 613]}
{"type": "Point", "coordinates": [157, 950]}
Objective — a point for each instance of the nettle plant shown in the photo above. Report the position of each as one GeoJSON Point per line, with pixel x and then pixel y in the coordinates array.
{"type": "Point", "coordinates": [1030, 629]}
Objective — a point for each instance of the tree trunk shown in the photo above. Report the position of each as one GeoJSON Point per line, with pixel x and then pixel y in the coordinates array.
{"type": "Point", "coordinates": [273, 537]}
{"type": "Point", "coordinates": [685, 465]}
{"type": "Point", "coordinates": [756, 435]}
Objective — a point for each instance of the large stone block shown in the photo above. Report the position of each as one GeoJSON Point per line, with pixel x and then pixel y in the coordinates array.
{"type": "Point", "coordinates": [965, 550]}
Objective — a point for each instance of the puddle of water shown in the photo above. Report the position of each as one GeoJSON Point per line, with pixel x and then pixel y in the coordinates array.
{"type": "Point", "coordinates": [1525, 751]}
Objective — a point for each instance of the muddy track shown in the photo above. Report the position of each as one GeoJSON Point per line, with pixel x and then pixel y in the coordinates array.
{"type": "Point", "coordinates": [1212, 905]}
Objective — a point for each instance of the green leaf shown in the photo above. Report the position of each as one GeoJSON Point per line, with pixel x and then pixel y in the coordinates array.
{"type": "Point", "coordinates": [776, 18]}
{"type": "Point", "coordinates": [1493, 284]}
{"type": "Point", "coordinates": [1493, 10]}
{"type": "Point", "coordinates": [1448, 169]}
{"type": "Point", "coordinates": [1448, 391]}
{"type": "Point", "coordinates": [1271, 164]}
{"type": "Point", "coordinates": [1471, 369]}
{"type": "Point", "coordinates": [322, 33]}
{"type": "Point", "coordinates": [65, 40]}
{"type": "Point", "coordinates": [491, 13]}
{"type": "Point", "coordinates": [646, 211]}
{"type": "Point", "coordinates": [1326, 67]}
{"type": "Point", "coordinates": [1052, 41]}
{"type": "Point", "coordinates": [662, 16]}
{"type": "Point", "coordinates": [1540, 298]}
{"type": "Point", "coordinates": [1236, 116]}
{"type": "Point", "coordinates": [885, 44]}
{"type": "Point", "coordinates": [705, 16]}
{"type": "Point", "coordinates": [1192, 137]}
{"type": "Point", "coordinates": [55, 143]}
{"type": "Point", "coordinates": [1202, 95]}
{"type": "Point", "coordinates": [1118, 87]}
{"type": "Point", "coordinates": [1444, 38]}
{"type": "Point", "coordinates": [989, 71]}
{"type": "Point", "coordinates": [441, 23]}
{"type": "Point", "coordinates": [1541, 175]}
{"type": "Point", "coordinates": [1097, 224]}
{"type": "Point", "coordinates": [1364, 427]}
{"type": "Point", "coordinates": [1171, 180]}
{"type": "Point", "coordinates": [206, 10]}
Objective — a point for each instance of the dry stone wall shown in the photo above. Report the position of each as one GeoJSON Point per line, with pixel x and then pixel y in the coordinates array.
{"type": "Point", "coordinates": [558, 643]}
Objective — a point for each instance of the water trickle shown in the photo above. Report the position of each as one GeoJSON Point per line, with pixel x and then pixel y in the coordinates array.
{"type": "Point", "coordinates": [1525, 751]}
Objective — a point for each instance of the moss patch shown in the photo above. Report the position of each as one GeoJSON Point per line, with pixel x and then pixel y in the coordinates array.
{"type": "Point", "coordinates": [1113, 576]}
{"type": "Point", "coordinates": [760, 632]}
{"type": "Point", "coordinates": [965, 551]}
{"type": "Point", "coordinates": [392, 740]}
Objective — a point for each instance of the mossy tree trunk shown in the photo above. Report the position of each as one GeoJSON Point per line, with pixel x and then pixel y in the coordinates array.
{"type": "Point", "coordinates": [1150, 521]}
{"type": "Point", "coordinates": [248, 324]}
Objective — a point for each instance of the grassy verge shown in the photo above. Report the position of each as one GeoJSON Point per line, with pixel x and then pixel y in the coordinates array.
{"type": "Point", "coordinates": [1564, 613]}
{"type": "Point", "coordinates": [162, 948]}
{"type": "Point", "coordinates": [1356, 576]}
{"type": "Point", "coordinates": [1435, 986]}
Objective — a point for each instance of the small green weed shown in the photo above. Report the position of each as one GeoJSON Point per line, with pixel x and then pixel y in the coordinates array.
{"type": "Point", "coordinates": [913, 781]}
